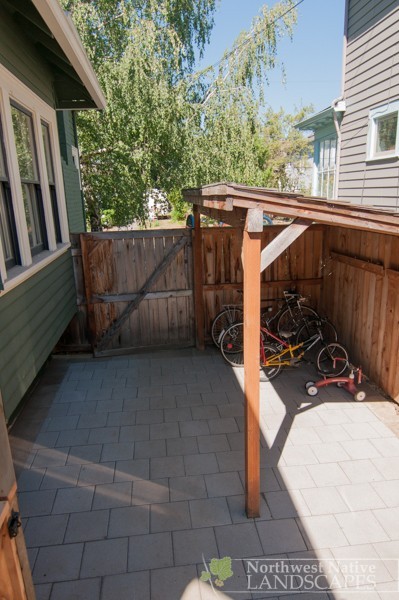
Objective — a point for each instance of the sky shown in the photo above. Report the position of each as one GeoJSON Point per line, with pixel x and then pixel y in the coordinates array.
{"type": "Point", "coordinates": [312, 60]}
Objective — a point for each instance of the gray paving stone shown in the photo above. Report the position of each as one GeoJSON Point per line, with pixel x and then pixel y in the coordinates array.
{"type": "Point", "coordinates": [362, 496]}
{"type": "Point", "coordinates": [361, 431]}
{"type": "Point", "coordinates": [213, 443]}
{"type": "Point", "coordinates": [84, 454]}
{"type": "Point", "coordinates": [363, 471]}
{"type": "Point", "coordinates": [94, 474]}
{"type": "Point", "coordinates": [187, 488]}
{"type": "Point", "coordinates": [30, 480]}
{"type": "Point", "coordinates": [130, 403]}
{"type": "Point", "coordinates": [173, 415]}
{"type": "Point", "coordinates": [225, 425]}
{"type": "Point", "coordinates": [285, 505]}
{"type": "Point", "coordinates": [194, 428]}
{"type": "Point", "coordinates": [117, 451]}
{"type": "Point", "coordinates": [62, 423]}
{"type": "Point", "coordinates": [45, 531]}
{"type": "Point", "coordinates": [223, 484]}
{"type": "Point", "coordinates": [82, 408]}
{"type": "Point", "coordinates": [171, 583]}
{"type": "Point", "coordinates": [170, 516]}
{"type": "Point", "coordinates": [112, 495]}
{"type": "Point", "coordinates": [74, 437]}
{"type": "Point", "coordinates": [238, 512]}
{"type": "Point", "coordinates": [181, 446]}
{"type": "Point", "coordinates": [332, 433]}
{"type": "Point", "coordinates": [134, 433]}
{"type": "Point", "coordinates": [92, 421]}
{"type": "Point", "coordinates": [130, 520]}
{"type": "Point", "coordinates": [328, 474]}
{"type": "Point", "coordinates": [152, 551]}
{"type": "Point", "coordinates": [58, 563]}
{"type": "Point", "coordinates": [190, 546]}
{"type": "Point", "coordinates": [292, 478]}
{"type": "Point", "coordinates": [70, 500]}
{"type": "Point", "coordinates": [362, 527]}
{"type": "Point", "coordinates": [324, 500]}
{"type": "Point", "coordinates": [160, 431]}
{"type": "Point", "coordinates": [81, 589]}
{"type": "Point", "coordinates": [188, 400]}
{"type": "Point", "coordinates": [43, 591]}
{"type": "Point", "coordinates": [105, 557]}
{"type": "Point", "coordinates": [238, 540]}
{"type": "Point", "coordinates": [132, 586]}
{"type": "Point", "coordinates": [233, 409]}
{"type": "Point", "coordinates": [329, 452]}
{"type": "Point", "coordinates": [114, 405]}
{"type": "Point", "coordinates": [36, 503]}
{"type": "Point", "coordinates": [236, 441]}
{"type": "Point", "coordinates": [214, 398]}
{"type": "Point", "coordinates": [121, 418]}
{"type": "Point", "coordinates": [169, 466]}
{"type": "Point", "coordinates": [209, 513]}
{"type": "Point", "coordinates": [148, 492]}
{"type": "Point", "coordinates": [50, 457]}
{"type": "Point", "coordinates": [205, 412]}
{"type": "Point", "coordinates": [231, 461]}
{"type": "Point", "coordinates": [364, 556]}
{"type": "Point", "coordinates": [132, 470]}
{"type": "Point", "coordinates": [388, 491]}
{"type": "Point", "coordinates": [280, 535]}
{"type": "Point", "coordinates": [87, 526]}
{"type": "Point", "coordinates": [361, 449]}
{"type": "Point", "coordinates": [104, 435]}
{"type": "Point", "coordinates": [299, 455]}
{"type": "Point", "coordinates": [162, 402]}
{"type": "Point", "coordinates": [389, 519]}
{"type": "Point", "coordinates": [387, 447]}
{"type": "Point", "coordinates": [386, 467]}
{"type": "Point", "coordinates": [200, 464]}
{"type": "Point", "coordinates": [150, 449]}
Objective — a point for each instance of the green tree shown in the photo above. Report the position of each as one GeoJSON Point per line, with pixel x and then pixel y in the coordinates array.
{"type": "Point", "coordinates": [165, 126]}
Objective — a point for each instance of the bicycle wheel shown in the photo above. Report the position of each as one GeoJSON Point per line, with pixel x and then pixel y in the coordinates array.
{"type": "Point", "coordinates": [313, 327]}
{"type": "Point", "coordinates": [332, 360]}
{"type": "Point", "coordinates": [271, 370]}
{"type": "Point", "coordinates": [292, 318]}
{"type": "Point", "coordinates": [232, 345]}
{"type": "Point", "coordinates": [223, 320]}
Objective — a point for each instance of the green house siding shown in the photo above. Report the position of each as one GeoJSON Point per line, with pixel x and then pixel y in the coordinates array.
{"type": "Point", "coordinates": [32, 318]}
{"type": "Point", "coordinates": [22, 59]}
{"type": "Point", "coordinates": [75, 207]}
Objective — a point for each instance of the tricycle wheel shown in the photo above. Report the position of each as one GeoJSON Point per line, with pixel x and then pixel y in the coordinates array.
{"type": "Point", "coordinates": [309, 384]}
{"type": "Point", "coordinates": [340, 384]}
{"type": "Point", "coordinates": [360, 396]}
{"type": "Point", "coordinates": [312, 390]}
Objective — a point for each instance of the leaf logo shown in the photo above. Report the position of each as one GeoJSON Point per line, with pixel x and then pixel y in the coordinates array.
{"type": "Point", "coordinates": [220, 569]}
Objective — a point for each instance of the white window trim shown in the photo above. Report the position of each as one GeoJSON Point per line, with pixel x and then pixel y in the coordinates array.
{"type": "Point", "coordinates": [11, 89]}
{"type": "Point", "coordinates": [375, 113]}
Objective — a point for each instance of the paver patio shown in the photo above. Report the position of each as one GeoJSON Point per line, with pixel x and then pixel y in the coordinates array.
{"type": "Point", "coordinates": [131, 473]}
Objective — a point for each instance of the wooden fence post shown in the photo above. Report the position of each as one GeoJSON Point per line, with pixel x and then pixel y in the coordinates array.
{"type": "Point", "coordinates": [198, 281]}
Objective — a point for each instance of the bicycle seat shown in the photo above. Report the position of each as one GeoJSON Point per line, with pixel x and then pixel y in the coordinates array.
{"type": "Point", "coordinates": [286, 334]}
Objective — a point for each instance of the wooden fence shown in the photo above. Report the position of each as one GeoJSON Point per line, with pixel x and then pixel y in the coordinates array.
{"type": "Point", "coordinates": [360, 294]}
{"type": "Point", "coordinates": [135, 289]}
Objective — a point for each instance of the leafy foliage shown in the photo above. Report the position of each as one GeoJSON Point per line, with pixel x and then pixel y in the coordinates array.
{"type": "Point", "coordinates": [166, 127]}
{"type": "Point", "coordinates": [220, 568]}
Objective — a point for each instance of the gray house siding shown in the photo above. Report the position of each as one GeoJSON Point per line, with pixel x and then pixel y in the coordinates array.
{"type": "Point", "coordinates": [371, 80]}
{"type": "Point", "coordinates": [33, 317]}
{"type": "Point", "coordinates": [75, 206]}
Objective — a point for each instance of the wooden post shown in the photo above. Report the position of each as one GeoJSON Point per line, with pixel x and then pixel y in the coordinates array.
{"type": "Point", "coordinates": [88, 292]}
{"type": "Point", "coordinates": [198, 281]}
{"type": "Point", "coordinates": [251, 260]}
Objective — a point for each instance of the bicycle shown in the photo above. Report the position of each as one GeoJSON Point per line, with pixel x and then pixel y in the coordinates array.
{"type": "Point", "coordinates": [291, 315]}
{"type": "Point", "coordinates": [331, 360]}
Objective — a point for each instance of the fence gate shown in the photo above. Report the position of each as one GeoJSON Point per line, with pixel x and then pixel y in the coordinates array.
{"type": "Point", "coordinates": [138, 287]}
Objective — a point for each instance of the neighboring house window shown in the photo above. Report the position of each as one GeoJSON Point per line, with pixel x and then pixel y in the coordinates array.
{"type": "Point", "coordinates": [8, 235]}
{"type": "Point", "coordinates": [383, 138]}
{"type": "Point", "coordinates": [33, 216]}
{"type": "Point", "coordinates": [326, 162]}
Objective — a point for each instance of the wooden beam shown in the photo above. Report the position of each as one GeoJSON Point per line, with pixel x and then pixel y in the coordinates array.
{"type": "Point", "coordinates": [198, 282]}
{"type": "Point", "coordinates": [251, 260]}
{"type": "Point", "coordinates": [7, 473]}
{"type": "Point", "coordinates": [281, 283]}
{"type": "Point", "coordinates": [357, 263]}
{"type": "Point", "coordinates": [282, 241]}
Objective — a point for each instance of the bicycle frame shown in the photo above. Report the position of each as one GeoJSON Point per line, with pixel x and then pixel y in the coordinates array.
{"type": "Point", "coordinates": [275, 360]}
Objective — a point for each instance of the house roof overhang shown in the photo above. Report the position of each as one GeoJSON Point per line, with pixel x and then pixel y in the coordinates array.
{"type": "Point", "coordinates": [53, 34]}
{"type": "Point", "coordinates": [229, 202]}
{"type": "Point", "coordinates": [317, 121]}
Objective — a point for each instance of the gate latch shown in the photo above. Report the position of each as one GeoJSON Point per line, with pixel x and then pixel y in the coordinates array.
{"type": "Point", "coordinates": [14, 523]}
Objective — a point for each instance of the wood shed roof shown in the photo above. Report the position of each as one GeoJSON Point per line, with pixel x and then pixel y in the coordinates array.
{"type": "Point", "coordinates": [229, 202]}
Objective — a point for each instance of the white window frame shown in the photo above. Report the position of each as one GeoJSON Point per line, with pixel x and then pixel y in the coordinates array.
{"type": "Point", "coordinates": [374, 115]}
{"type": "Point", "coordinates": [331, 170]}
{"type": "Point", "coordinates": [13, 90]}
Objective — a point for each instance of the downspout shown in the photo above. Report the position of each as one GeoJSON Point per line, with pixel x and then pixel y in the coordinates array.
{"type": "Point", "coordinates": [338, 105]}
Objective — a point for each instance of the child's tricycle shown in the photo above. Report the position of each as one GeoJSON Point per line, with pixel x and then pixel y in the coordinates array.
{"type": "Point", "coordinates": [348, 383]}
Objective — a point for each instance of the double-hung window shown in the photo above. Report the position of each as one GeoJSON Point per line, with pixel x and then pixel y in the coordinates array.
{"type": "Point", "coordinates": [326, 153]}
{"type": "Point", "coordinates": [33, 217]}
{"type": "Point", "coordinates": [30, 182]}
{"type": "Point", "coordinates": [383, 134]}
